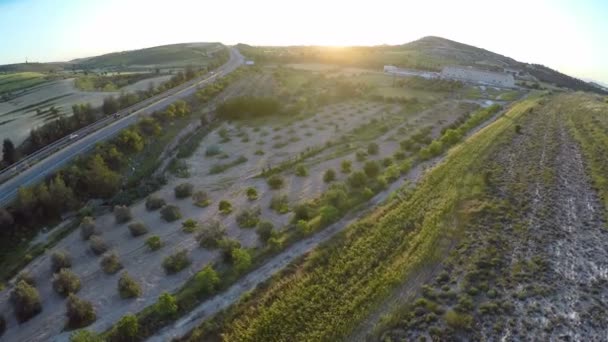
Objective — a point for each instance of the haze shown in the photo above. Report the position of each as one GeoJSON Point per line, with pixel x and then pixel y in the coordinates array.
{"type": "Point", "coordinates": [566, 35]}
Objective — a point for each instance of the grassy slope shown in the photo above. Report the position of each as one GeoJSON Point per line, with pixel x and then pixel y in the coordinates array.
{"type": "Point", "coordinates": [339, 283]}
{"type": "Point", "coordinates": [21, 80]}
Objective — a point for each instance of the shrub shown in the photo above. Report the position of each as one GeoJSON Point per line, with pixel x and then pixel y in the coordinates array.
{"type": "Point", "coordinates": [227, 245]}
{"type": "Point", "coordinates": [225, 207]}
{"type": "Point", "coordinates": [87, 227]}
{"type": "Point", "coordinates": [153, 202]}
{"type": "Point", "coordinates": [189, 226]}
{"type": "Point", "coordinates": [303, 227]}
{"type": "Point", "coordinates": [201, 199]}
{"type": "Point", "coordinates": [301, 171]}
{"type": "Point", "coordinates": [66, 282]}
{"type": "Point", "coordinates": [170, 213]}
{"type": "Point", "coordinates": [166, 306]}
{"type": "Point", "coordinates": [329, 214]}
{"type": "Point", "coordinates": [26, 301]}
{"type": "Point", "coordinates": [176, 262]}
{"type": "Point", "coordinates": [183, 190]}
{"type": "Point", "coordinates": [386, 162]}
{"type": "Point", "coordinates": [80, 312]}
{"type": "Point", "coordinates": [126, 329]}
{"type": "Point", "coordinates": [373, 148]}
{"type": "Point", "coordinates": [59, 260]}
{"type": "Point", "coordinates": [303, 211]}
{"type": "Point", "coordinates": [518, 129]}
{"type": "Point", "coordinates": [346, 166]}
{"type": "Point", "coordinates": [457, 320]}
{"type": "Point", "coordinates": [211, 234]}
{"type": "Point", "coordinates": [154, 242]}
{"type": "Point", "coordinates": [357, 180]}
{"type": "Point", "coordinates": [371, 168]}
{"type": "Point", "coordinates": [337, 196]}
{"type": "Point", "coordinates": [27, 277]}
{"type": "Point", "coordinates": [248, 218]}
{"type": "Point", "coordinates": [360, 155]}
{"type": "Point", "coordinates": [206, 280]}
{"type": "Point", "coordinates": [399, 155]}
{"type": "Point", "coordinates": [259, 152]}
{"type": "Point", "coordinates": [329, 176]}
{"type": "Point", "coordinates": [241, 259]}
{"type": "Point", "coordinates": [110, 263]}
{"type": "Point", "coordinates": [128, 287]}
{"type": "Point", "coordinates": [98, 245]}
{"type": "Point", "coordinates": [252, 194]}
{"type": "Point", "coordinates": [122, 213]}
{"type": "Point", "coordinates": [280, 204]}
{"type": "Point", "coordinates": [265, 230]}
{"type": "Point", "coordinates": [275, 182]}
{"type": "Point", "coordinates": [84, 335]}
{"type": "Point", "coordinates": [137, 229]}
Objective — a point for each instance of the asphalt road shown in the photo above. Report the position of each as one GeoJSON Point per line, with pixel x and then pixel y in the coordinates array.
{"type": "Point", "coordinates": [37, 172]}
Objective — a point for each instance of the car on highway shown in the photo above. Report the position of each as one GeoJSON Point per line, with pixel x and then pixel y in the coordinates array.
{"type": "Point", "coordinates": [73, 136]}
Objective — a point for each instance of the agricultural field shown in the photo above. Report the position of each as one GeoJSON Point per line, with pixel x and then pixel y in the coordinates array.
{"type": "Point", "coordinates": [45, 102]}
{"type": "Point", "coordinates": [18, 81]}
{"type": "Point", "coordinates": [244, 191]}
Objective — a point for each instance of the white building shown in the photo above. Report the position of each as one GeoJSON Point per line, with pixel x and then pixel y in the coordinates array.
{"type": "Point", "coordinates": [469, 74]}
{"type": "Point", "coordinates": [249, 62]}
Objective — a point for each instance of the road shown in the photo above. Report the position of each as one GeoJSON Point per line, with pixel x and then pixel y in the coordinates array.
{"type": "Point", "coordinates": [51, 163]}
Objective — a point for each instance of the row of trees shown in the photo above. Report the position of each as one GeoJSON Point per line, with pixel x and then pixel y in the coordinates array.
{"type": "Point", "coordinates": [248, 107]}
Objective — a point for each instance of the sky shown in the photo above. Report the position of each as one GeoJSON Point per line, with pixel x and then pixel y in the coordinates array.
{"type": "Point", "coordinates": [566, 35]}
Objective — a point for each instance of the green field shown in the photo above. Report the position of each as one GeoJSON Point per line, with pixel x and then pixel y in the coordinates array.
{"type": "Point", "coordinates": [21, 80]}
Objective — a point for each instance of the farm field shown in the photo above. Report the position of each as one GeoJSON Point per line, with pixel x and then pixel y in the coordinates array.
{"type": "Point", "coordinates": [19, 81]}
{"type": "Point", "coordinates": [236, 156]}
{"type": "Point", "coordinates": [33, 106]}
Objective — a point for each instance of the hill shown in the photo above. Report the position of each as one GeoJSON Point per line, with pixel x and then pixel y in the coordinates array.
{"type": "Point", "coordinates": [166, 55]}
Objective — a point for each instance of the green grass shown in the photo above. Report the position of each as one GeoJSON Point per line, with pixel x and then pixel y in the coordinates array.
{"type": "Point", "coordinates": [21, 80]}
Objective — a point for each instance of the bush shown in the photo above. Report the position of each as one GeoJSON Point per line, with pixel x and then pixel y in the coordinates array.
{"type": "Point", "coordinates": [137, 229]}
{"type": "Point", "coordinates": [360, 155]}
{"type": "Point", "coordinates": [459, 321]}
{"type": "Point", "coordinates": [26, 301]}
{"type": "Point", "coordinates": [301, 171]}
{"type": "Point", "coordinates": [128, 287]}
{"type": "Point", "coordinates": [371, 168]}
{"type": "Point", "coordinates": [27, 277]}
{"type": "Point", "coordinates": [170, 213]}
{"type": "Point", "coordinates": [122, 213]}
{"type": "Point", "coordinates": [357, 180]}
{"type": "Point", "coordinates": [87, 227]}
{"type": "Point", "coordinates": [329, 176]}
{"type": "Point", "coordinates": [275, 182]}
{"type": "Point", "coordinates": [189, 226]}
{"type": "Point", "coordinates": [211, 234]}
{"type": "Point", "coordinates": [84, 335]}
{"type": "Point", "coordinates": [346, 166]}
{"type": "Point", "coordinates": [329, 214]}
{"type": "Point", "coordinates": [241, 259]}
{"type": "Point", "coordinates": [280, 204]}
{"type": "Point", "coordinates": [66, 282]}
{"type": "Point", "coordinates": [59, 260]}
{"type": "Point", "coordinates": [176, 262]}
{"type": "Point", "coordinates": [399, 155]}
{"type": "Point", "coordinates": [126, 329]}
{"type": "Point", "coordinates": [252, 193]}
{"type": "Point", "coordinates": [166, 306]}
{"type": "Point", "coordinates": [206, 281]}
{"type": "Point", "coordinates": [248, 218]}
{"type": "Point", "coordinates": [80, 312]}
{"type": "Point", "coordinates": [98, 245]}
{"type": "Point", "coordinates": [265, 230]}
{"type": "Point", "coordinates": [153, 202]}
{"type": "Point", "coordinates": [183, 190]}
{"type": "Point", "coordinates": [154, 242]}
{"type": "Point", "coordinates": [201, 199]}
{"type": "Point", "coordinates": [386, 162]}
{"type": "Point", "coordinates": [110, 263]}
{"type": "Point", "coordinates": [227, 245]}
{"type": "Point", "coordinates": [373, 148]}
{"type": "Point", "coordinates": [225, 207]}
{"type": "Point", "coordinates": [303, 227]}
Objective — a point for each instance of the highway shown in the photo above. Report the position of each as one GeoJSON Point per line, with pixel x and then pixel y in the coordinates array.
{"type": "Point", "coordinates": [56, 156]}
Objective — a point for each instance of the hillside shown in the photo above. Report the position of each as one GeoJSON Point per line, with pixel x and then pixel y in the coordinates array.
{"type": "Point", "coordinates": [176, 54]}
{"type": "Point", "coordinates": [428, 53]}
